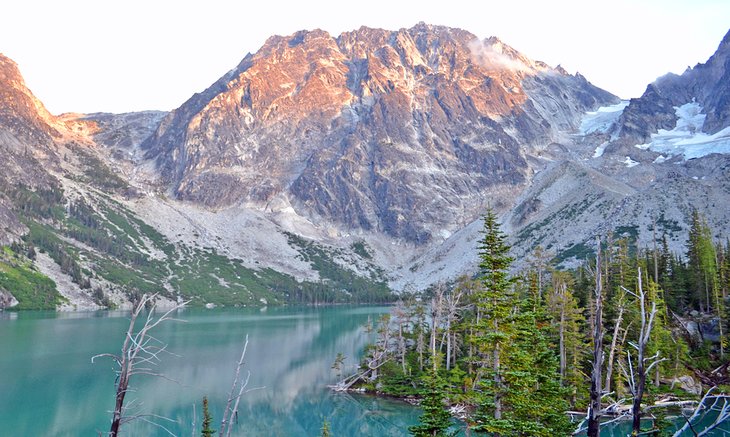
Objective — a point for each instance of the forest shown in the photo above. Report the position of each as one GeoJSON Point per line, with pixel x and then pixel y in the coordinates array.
{"type": "Point", "coordinates": [628, 335]}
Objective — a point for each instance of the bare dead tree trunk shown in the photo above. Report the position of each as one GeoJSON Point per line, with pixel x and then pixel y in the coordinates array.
{"type": "Point", "coordinates": [594, 408]}
{"type": "Point", "coordinates": [140, 353]}
{"type": "Point", "coordinates": [563, 354]}
{"type": "Point", "coordinates": [230, 412]}
{"type": "Point", "coordinates": [401, 315]}
{"type": "Point", "coordinates": [436, 305]}
{"type": "Point", "coordinates": [452, 303]}
{"type": "Point", "coordinates": [638, 383]}
{"type": "Point", "coordinates": [614, 341]}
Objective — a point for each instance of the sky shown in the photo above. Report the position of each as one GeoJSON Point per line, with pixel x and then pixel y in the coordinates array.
{"type": "Point", "coordinates": [130, 55]}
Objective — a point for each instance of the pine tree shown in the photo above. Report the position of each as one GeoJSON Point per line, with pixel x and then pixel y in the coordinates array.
{"type": "Point", "coordinates": [521, 393]}
{"type": "Point", "coordinates": [494, 304]}
{"type": "Point", "coordinates": [702, 261]}
{"type": "Point", "coordinates": [207, 420]}
{"type": "Point", "coordinates": [435, 420]}
{"type": "Point", "coordinates": [565, 330]}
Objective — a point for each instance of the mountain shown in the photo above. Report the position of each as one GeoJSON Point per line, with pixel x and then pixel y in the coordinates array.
{"type": "Point", "coordinates": [27, 144]}
{"type": "Point", "coordinates": [408, 133]}
{"type": "Point", "coordinates": [645, 164]}
{"type": "Point", "coordinates": [334, 169]}
{"type": "Point", "coordinates": [706, 87]}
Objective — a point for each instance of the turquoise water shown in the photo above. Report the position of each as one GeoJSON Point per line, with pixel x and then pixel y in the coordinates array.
{"type": "Point", "coordinates": [49, 387]}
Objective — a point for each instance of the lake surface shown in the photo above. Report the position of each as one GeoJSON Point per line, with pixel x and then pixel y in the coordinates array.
{"type": "Point", "coordinates": [49, 387]}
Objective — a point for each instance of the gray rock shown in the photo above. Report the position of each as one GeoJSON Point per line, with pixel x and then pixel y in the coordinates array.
{"type": "Point", "coordinates": [688, 384]}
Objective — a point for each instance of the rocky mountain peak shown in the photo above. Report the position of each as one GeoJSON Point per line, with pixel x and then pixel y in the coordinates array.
{"type": "Point", "coordinates": [706, 84]}
{"type": "Point", "coordinates": [20, 111]}
{"type": "Point", "coordinates": [391, 131]}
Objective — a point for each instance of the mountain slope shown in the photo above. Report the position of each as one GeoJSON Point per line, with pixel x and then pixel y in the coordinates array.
{"type": "Point", "coordinates": [327, 169]}
{"type": "Point", "coordinates": [402, 132]}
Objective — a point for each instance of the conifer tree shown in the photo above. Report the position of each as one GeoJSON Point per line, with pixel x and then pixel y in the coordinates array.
{"type": "Point", "coordinates": [207, 420]}
{"type": "Point", "coordinates": [435, 420]}
{"type": "Point", "coordinates": [494, 303]}
{"type": "Point", "coordinates": [325, 429]}
{"type": "Point", "coordinates": [521, 393]}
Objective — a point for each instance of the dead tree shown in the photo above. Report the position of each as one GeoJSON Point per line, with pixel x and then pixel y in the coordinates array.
{"type": "Point", "coordinates": [231, 410]}
{"type": "Point", "coordinates": [637, 378]}
{"type": "Point", "coordinates": [140, 355]}
{"type": "Point", "coordinates": [453, 308]}
{"type": "Point", "coordinates": [720, 407]}
{"type": "Point", "coordinates": [402, 321]}
{"type": "Point", "coordinates": [436, 310]}
{"type": "Point", "coordinates": [594, 407]}
{"type": "Point", "coordinates": [614, 342]}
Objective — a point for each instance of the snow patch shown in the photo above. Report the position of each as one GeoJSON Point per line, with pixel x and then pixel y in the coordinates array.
{"type": "Point", "coordinates": [600, 149]}
{"type": "Point", "coordinates": [660, 159]}
{"type": "Point", "coordinates": [601, 119]}
{"type": "Point", "coordinates": [630, 162]}
{"type": "Point", "coordinates": [687, 139]}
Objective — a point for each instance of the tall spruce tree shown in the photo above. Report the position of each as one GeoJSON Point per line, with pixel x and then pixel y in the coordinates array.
{"type": "Point", "coordinates": [494, 303]}
{"type": "Point", "coordinates": [520, 392]}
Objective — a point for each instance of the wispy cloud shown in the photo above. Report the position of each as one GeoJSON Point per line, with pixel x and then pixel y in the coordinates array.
{"type": "Point", "coordinates": [490, 55]}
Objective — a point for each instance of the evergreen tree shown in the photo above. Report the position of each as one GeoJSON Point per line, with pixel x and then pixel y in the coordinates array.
{"type": "Point", "coordinates": [565, 330]}
{"type": "Point", "coordinates": [702, 261]}
{"type": "Point", "coordinates": [435, 420]}
{"type": "Point", "coordinates": [521, 393]}
{"type": "Point", "coordinates": [325, 429]}
{"type": "Point", "coordinates": [207, 420]}
{"type": "Point", "coordinates": [494, 304]}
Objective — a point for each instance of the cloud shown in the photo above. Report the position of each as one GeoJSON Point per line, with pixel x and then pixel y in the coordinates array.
{"type": "Point", "coordinates": [490, 55]}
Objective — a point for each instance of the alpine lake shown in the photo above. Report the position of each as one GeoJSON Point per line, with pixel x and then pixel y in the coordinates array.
{"type": "Point", "coordinates": [50, 387]}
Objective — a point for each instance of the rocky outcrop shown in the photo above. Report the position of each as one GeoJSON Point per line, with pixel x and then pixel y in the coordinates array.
{"type": "Point", "coordinates": [408, 133]}
{"type": "Point", "coordinates": [707, 84]}
{"type": "Point", "coordinates": [7, 300]}
{"type": "Point", "coordinates": [27, 131]}
{"type": "Point", "coordinates": [27, 145]}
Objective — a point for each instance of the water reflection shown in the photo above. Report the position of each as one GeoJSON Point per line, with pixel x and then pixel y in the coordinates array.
{"type": "Point", "coordinates": [48, 385]}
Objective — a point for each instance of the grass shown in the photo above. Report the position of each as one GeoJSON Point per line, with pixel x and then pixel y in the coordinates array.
{"type": "Point", "coordinates": [32, 289]}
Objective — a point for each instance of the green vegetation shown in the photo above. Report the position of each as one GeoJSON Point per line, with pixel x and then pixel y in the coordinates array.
{"type": "Point", "coordinates": [98, 174]}
{"type": "Point", "coordinates": [207, 431]}
{"type": "Point", "coordinates": [343, 281]}
{"type": "Point", "coordinates": [32, 289]}
{"type": "Point", "coordinates": [95, 237]}
{"type": "Point", "coordinates": [360, 248]}
{"type": "Point", "coordinates": [512, 350]}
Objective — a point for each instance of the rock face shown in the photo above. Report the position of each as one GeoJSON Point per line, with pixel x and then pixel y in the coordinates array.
{"type": "Point", "coordinates": [707, 84]}
{"type": "Point", "coordinates": [389, 144]}
{"type": "Point", "coordinates": [409, 133]}
{"type": "Point", "coordinates": [27, 144]}
{"type": "Point", "coordinates": [27, 131]}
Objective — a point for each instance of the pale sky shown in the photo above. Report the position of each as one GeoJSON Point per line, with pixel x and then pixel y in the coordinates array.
{"type": "Point", "coordinates": [130, 55]}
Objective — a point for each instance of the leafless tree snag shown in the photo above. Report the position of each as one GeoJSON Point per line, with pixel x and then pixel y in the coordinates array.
{"type": "Point", "coordinates": [594, 407]}
{"type": "Point", "coordinates": [140, 355]}
{"type": "Point", "coordinates": [710, 404]}
{"type": "Point", "coordinates": [637, 378]}
{"type": "Point", "coordinates": [231, 411]}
